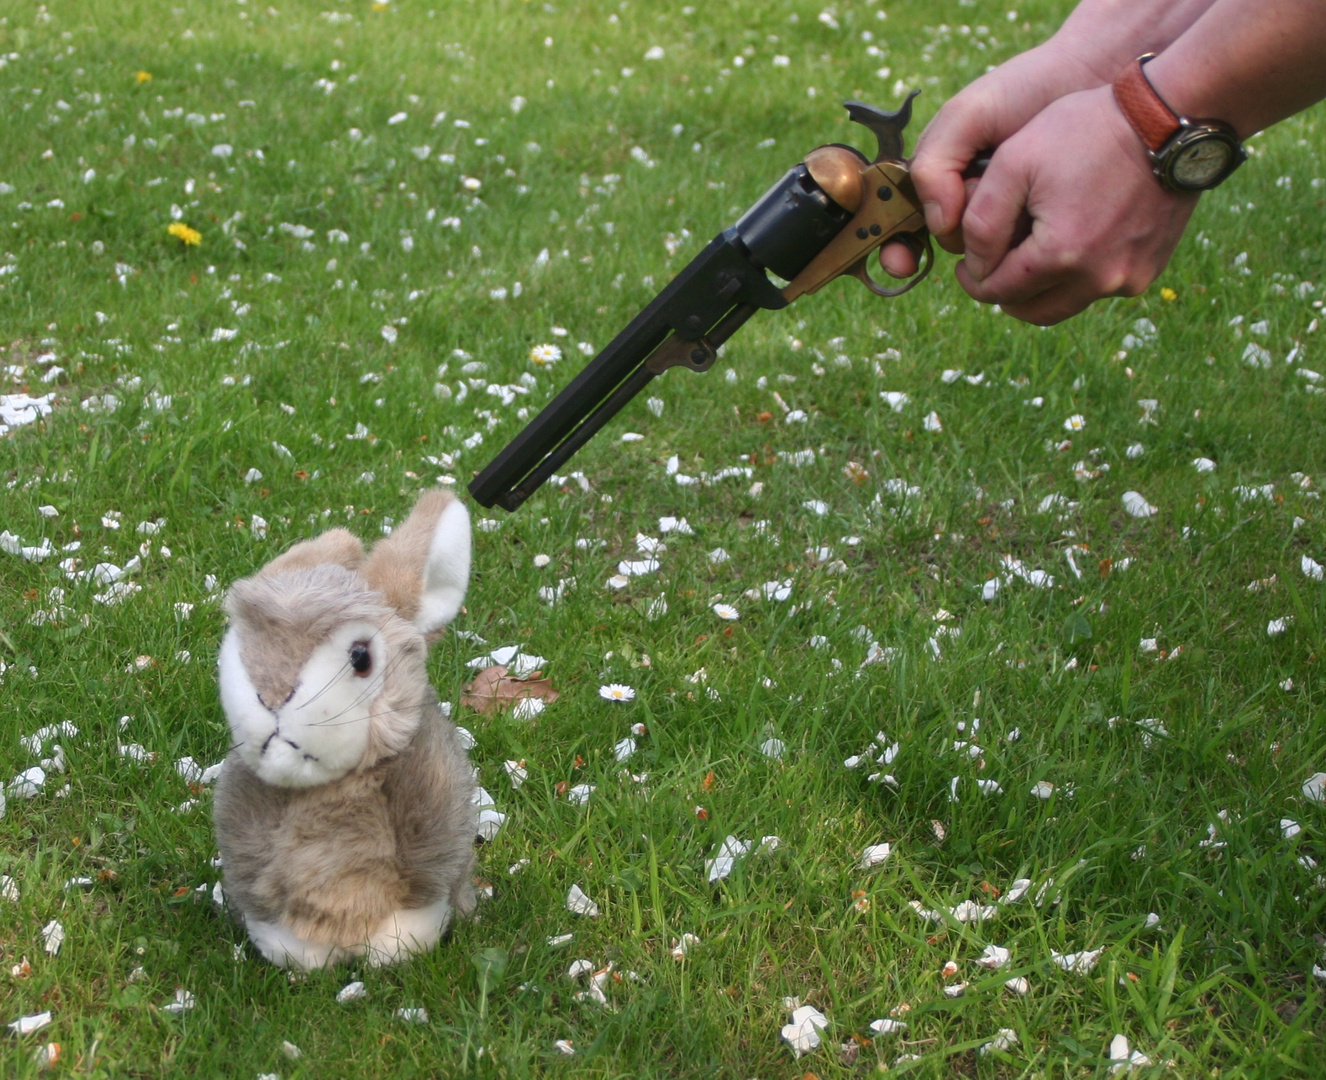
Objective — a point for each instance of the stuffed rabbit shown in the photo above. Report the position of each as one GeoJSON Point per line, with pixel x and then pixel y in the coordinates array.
{"type": "Point", "coordinates": [344, 812]}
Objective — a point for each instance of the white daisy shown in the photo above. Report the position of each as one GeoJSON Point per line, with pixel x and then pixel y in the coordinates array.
{"type": "Point", "coordinates": [617, 692]}
{"type": "Point", "coordinates": [545, 355]}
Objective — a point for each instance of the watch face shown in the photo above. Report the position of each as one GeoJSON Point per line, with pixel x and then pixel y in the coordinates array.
{"type": "Point", "coordinates": [1201, 164]}
{"type": "Point", "coordinates": [1198, 158]}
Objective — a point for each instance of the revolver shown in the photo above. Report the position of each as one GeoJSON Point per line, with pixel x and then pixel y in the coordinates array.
{"type": "Point", "coordinates": [820, 221]}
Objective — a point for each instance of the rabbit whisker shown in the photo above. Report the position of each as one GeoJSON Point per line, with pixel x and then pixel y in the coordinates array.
{"type": "Point", "coordinates": [333, 722]}
{"type": "Point", "coordinates": [335, 677]}
{"type": "Point", "coordinates": [373, 686]}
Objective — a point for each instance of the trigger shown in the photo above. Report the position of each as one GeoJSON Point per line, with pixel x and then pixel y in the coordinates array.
{"type": "Point", "coordinates": [925, 260]}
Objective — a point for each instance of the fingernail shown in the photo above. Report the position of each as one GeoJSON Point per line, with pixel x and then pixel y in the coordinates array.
{"type": "Point", "coordinates": [934, 218]}
{"type": "Point", "coordinates": [975, 267]}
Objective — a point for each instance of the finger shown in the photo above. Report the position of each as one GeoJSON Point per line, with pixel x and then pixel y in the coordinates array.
{"type": "Point", "coordinates": [1031, 288]}
{"type": "Point", "coordinates": [1046, 308]}
{"type": "Point", "coordinates": [897, 259]}
{"type": "Point", "coordinates": [1051, 307]}
{"type": "Point", "coordinates": [947, 146]}
{"type": "Point", "coordinates": [993, 219]}
{"type": "Point", "coordinates": [1004, 293]}
{"type": "Point", "coordinates": [953, 242]}
{"type": "Point", "coordinates": [1023, 274]}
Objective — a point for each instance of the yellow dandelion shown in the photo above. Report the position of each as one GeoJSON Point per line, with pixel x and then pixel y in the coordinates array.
{"type": "Point", "coordinates": [1166, 293]}
{"type": "Point", "coordinates": [141, 77]}
{"type": "Point", "coordinates": [190, 237]}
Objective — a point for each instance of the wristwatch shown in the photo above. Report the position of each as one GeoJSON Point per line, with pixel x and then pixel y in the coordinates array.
{"type": "Point", "coordinates": [1186, 155]}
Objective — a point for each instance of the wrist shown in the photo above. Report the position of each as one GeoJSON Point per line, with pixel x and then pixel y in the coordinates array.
{"type": "Point", "coordinates": [1187, 94]}
{"type": "Point", "coordinates": [1187, 154]}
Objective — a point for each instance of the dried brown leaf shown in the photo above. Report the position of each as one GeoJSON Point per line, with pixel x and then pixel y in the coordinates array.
{"type": "Point", "coordinates": [494, 689]}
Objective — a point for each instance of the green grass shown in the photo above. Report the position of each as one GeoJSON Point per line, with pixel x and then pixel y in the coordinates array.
{"type": "Point", "coordinates": [1222, 986]}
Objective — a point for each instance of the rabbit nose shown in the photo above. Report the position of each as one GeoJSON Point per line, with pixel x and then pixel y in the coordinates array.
{"type": "Point", "coordinates": [273, 698]}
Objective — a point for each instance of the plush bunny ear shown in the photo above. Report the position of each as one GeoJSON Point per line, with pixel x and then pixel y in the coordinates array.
{"type": "Point", "coordinates": [337, 546]}
{"type": "Point", "coordinates": [422, 568]}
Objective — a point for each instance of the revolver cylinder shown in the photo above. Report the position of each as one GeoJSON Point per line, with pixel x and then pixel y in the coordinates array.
{"type": "Point", "coordinates": [790, 223]}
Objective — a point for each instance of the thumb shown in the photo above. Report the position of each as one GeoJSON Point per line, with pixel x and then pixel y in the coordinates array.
{"type": "Point", "coordinates": [947, 147]}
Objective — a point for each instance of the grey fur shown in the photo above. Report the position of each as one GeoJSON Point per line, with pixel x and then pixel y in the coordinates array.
{"type": "Point", "coordinates": [331, 862]}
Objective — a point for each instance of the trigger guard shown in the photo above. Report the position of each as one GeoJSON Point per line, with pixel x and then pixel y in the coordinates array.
{"type": "Point", "coordinates": [926, 258]}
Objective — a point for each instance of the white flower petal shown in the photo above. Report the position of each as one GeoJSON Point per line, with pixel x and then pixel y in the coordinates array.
{"type": "Point", "coordinates": [1135, 505]}
{"type": "Point", "coordinates": [994, 957]}
{"type": "Point", "coordinates": [1078, 963]}
{"type": "Point", "coordinates": [52, 936]}
{"type": "Point", "coordinates": [874, 855]}
{"type": "Point", "coordinates": [803, 1033]}
{"type": "Point", "coordinates": [26, 1025]}
{"type": "Point", "coordinates": [725, 860]}
{"type": "Point", "coordinates": [1005, 1039]}
{"type": "Point", "coordinates": [579, 904]}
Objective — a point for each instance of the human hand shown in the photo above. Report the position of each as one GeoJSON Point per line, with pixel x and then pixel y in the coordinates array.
{"type": "Point", "coordinates": [974, 121]}
{"type": "Point", "coordinates": [1068, 212]}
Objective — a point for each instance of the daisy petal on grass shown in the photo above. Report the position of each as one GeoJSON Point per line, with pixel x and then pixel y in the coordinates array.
{"type": "Point", "coordinates": [1123, 1058]}
{"type": "Point", "coordinates": [26, 1025]}
{"type": "Point", "coordinates": [1005, 1039]}
{"type": "Point", "coordinates": [182, 1002]}
{"type": "Point", "coordinates": [52, 936]}
{"type": "Point", "coordinates": [1135, 505]}
{"type": "Point", "coordinates": [803, 1033]}
{"type": "Point", "coordinates": [579, 904]}
{"type": "Point", "coordinates": [1078, 963]}
{"type": "Point", "coordinates": [724, 860]}
{"type": "Point", "coordinates": [350, 992]}
{"type": "Point", "coordinates": [874, 855]}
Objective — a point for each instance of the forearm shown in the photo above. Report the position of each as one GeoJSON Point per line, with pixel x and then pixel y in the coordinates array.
{"type": "Point", "coordinates": [1094, 43]}
{"type": "Point", "coordinates": [1247, 62]}
{"type": "Point", "coordinates": [1101, 36]}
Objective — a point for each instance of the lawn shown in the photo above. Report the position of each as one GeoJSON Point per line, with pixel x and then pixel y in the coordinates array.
{"type": "Point", "coordinates": [881, 577]}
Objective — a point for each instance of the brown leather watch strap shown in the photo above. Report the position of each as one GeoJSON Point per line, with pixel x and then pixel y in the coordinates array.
{"type": "Point", "coordinates": [1151, 118]}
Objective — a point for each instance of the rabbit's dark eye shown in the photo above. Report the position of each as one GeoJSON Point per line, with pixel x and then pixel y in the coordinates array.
{"type": "Point", "coordinates": [361, 659]}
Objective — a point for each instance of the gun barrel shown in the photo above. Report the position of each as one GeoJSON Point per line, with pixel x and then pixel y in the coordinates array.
{"type": "Point", "coordinates": [682, 326]}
